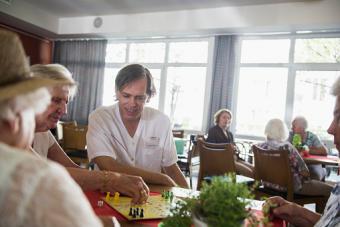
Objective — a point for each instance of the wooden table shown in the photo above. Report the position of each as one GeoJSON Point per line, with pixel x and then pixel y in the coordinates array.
{"type": "Point", "coordinates": [323, 160]}
{"type": "Point", "coordinates": [105, 210]}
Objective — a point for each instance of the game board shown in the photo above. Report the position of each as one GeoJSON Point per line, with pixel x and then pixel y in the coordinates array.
{"type": "Point", "coordinates": [157, 207]}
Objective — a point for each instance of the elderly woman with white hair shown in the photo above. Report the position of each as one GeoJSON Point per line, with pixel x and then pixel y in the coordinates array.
{"type": "Point", "coordinates": [276, 135]}
{"type": "Point", "coordinates": [33, 192]}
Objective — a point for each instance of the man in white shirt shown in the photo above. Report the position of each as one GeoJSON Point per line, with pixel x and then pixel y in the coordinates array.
{"type": "Point", "coordinates": [130, 138]}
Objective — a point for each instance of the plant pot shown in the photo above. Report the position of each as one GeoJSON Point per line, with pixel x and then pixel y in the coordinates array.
{"type": "Point", "coordinates": [197, 220]}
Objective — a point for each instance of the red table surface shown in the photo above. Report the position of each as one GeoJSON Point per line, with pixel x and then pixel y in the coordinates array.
{"type": "Point", "coordinates": [106, 210]}
{"type": "Point", "coordinates": [335, 158]}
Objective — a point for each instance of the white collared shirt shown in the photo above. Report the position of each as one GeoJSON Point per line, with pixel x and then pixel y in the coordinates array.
{"type": "Point", "coordinates": [151, 147]}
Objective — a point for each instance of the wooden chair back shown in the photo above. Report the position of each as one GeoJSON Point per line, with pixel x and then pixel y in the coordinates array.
{"type": "Point", "coordinates": [74, 137]}
{"type": "Point", "coordinates": [273, 166]}
{"type": "Point", "coordinates": [61, 125]}
{"type": "Point", "coordinates": [187, 163]}
{"type": "Point", "coordinates": [215, 159]}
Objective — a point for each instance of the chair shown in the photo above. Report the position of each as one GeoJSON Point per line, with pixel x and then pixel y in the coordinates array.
{"type": "Point", "coordinates": [74, 143]}
{"type": "Point", "coordinates": [178, 133]}
{"type": "Point", "coordinates": [215, 159]}
{"type": "Point", "coordinates": [186, 163]}
{"type": "Point", "coordinates": [267, 164]}
{"type": "Point", "coordinates": [59, 129]}
{"type": "Point", "coordinates": [244, 149]}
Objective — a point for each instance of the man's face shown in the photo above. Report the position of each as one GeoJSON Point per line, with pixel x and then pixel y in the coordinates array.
{"type": "Point", "coordinates": [297, 127]}
{"type": "Point", "coordinates": [132, 99]}
{"type": "Point", "coordinates": [56, 109]}
{"type": "Point", "coordinates": [334, 128]}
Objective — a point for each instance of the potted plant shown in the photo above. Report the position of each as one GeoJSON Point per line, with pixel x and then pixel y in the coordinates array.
{"type": "Point", "coordinates": [221, 203]}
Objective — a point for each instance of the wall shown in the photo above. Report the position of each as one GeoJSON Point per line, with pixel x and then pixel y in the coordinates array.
{"type": "Point", "coordinates": [282, 17]}
{"type": "Point", "coordinates": [37, 48]}
{"type": "Point", "coordinates": [258, 18]}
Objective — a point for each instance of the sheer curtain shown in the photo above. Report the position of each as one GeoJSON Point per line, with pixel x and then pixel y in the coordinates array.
{"type": "Point", "coordinates": [223, 75]}
{"type": "Point", "coordinates": [86, 61]}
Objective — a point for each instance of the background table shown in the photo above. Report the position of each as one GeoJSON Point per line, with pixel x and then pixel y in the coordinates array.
{"type": "Point", "coordinates": [323, 160]}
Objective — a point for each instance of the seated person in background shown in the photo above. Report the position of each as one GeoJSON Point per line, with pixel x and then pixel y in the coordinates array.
{"type": "Point", "coordinates": [300, 216]}
{"type": "Point", "coordinates": [314, 144]}
{"type": "Point", "coordinates": [33, 192]}
{"type": "Point", "coordinates": [276, 135]}
{"type": "Point", "coordinates": [130, 138]}
{"type": "Point", "coordinates": [220, 134]}
{"type": "Point", "coordinates": [46, 146]}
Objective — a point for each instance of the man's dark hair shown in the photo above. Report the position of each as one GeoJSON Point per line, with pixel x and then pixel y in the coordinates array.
{"type": "Point", "coordinates": [132, 73]}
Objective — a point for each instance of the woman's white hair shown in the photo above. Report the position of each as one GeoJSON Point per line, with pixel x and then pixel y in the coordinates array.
{"type": "Point", "coordinates": [277, 130]}
{"type": "Point", "coordinates": [57, 72]}
{"type": "Point", "coordinates": [38, 100]}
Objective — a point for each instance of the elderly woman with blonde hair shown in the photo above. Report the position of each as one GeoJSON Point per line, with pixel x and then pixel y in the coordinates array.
{"type": "Point", "coordinates": [276, 135]}
{"type": "Point", "coordinates": [220, 134]}
{"type": "Point", "coordinates": [33, 192]}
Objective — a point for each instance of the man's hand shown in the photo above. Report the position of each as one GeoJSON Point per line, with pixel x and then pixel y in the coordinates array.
{"type": "Point", "coordinates": [132, 186]}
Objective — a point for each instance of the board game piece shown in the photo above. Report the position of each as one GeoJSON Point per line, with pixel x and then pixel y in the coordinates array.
{"type": "Point", "coordinates": [107, 196]}
{"type": "Point", "coordinates": [116, 197]}
{"type": "Point", "coordinates": [100, 203]}
{"type": "Point", "coordinates": [171, 196]}
{"type": "Point", "coordinates": [141, 213]}
{"type": "Point", "coordinates": [130, 213]}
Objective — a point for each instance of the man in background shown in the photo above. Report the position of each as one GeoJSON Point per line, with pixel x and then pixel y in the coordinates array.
{"type": "Point", "coordinates": [313, 144]}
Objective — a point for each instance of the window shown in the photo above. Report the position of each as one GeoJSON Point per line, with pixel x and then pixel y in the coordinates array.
{"type": "Point", "coordinates": [184, 96]}
{"type": "Point", "coordinates": [325, 50]}
{"type": "Point", "coordinates": [256, 104]}
{"type": "Point", "coordinates": [179, 69]}
{"type": "Point", "coordinates": [312, 90]}
{"type": "Point", "coordinates": [272, 51]}
{"type": "Point", "coordinates": [283, 78]}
